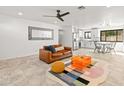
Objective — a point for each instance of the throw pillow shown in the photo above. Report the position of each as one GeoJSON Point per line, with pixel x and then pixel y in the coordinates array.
{"type": "Point", "coordinates": [59, 48]}
{"type": "Point", "coordinates": [52, 49]}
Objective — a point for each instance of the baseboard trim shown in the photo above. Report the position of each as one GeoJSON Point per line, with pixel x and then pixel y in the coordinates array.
{"type": "Point", "coordinates": [8, 58]}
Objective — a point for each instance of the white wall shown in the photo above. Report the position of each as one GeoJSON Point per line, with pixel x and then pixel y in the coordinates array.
{"type": "Point", "coordinates": [14, 37]}
{"type": "Point", "coordinates": [67, 36]}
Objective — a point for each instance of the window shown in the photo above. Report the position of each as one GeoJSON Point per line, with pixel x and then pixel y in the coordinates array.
{"type": "Point", "coordinates": [112, 35]}
{"type": "Point", "coordinates": [87, 35]}
{"type": "Point", "coordinates": [80, 34]}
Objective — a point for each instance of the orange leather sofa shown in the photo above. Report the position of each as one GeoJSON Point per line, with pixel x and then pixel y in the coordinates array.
{"type": "Point", "coordinates": [49, 57]}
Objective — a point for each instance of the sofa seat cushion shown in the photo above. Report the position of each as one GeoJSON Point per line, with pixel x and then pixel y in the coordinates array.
{"type": "Point", "coordinates": [64, 52]}
{"type": "Point", "coordinates": [67, 52]}
{"type": "Point", "coordinates": [56, 54]}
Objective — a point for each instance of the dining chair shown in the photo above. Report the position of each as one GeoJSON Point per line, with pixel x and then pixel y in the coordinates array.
{"type": "Point", "coordinates": [111, 48]}
{"type": "Point", "coordinates": [97, 47]}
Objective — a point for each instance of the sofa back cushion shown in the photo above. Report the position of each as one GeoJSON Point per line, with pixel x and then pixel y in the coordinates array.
{"type": "Point", "coordinates": [55, 46]}
{"type": "Point", "coordinates": [45, 47]}
{"type": "Point", "coordinates": [59, 48]}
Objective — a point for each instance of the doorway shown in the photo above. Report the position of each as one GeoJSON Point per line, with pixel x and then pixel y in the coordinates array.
{"type": "Point", "coordinates": [60, 36]}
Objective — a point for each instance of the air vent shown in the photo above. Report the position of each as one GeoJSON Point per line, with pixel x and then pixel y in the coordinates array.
{"type": "Point", "coordinates": [81, 7]}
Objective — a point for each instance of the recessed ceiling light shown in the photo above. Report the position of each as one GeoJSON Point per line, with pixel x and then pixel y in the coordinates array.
{"type": "Point", "coordinates": [108, 6]}
{"type": "Point", "coordinates": [20, 13]}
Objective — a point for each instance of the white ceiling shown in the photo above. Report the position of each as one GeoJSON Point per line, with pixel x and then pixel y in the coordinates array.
{"type": "Point", "coordinates": [89, 16]}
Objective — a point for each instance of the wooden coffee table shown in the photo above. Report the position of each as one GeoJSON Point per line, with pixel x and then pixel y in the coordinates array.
{"type": "Point", "coordinates": [95, 74]}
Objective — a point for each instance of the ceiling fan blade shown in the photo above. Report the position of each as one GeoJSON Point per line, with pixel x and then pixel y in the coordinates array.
{"type": "Point", "coordinates": [64, 14]}
{"type": "Point", "coordinates": [60, 18]}
{"type": "Point", "coordinates": [48, 16]}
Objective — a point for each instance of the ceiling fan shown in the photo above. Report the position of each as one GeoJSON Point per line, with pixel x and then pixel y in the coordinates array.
{"type": "Point", "coordinates": [59, 16]}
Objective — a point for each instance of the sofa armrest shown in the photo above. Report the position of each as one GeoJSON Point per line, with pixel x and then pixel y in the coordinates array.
{"type": "Point", "coordinates": [68, 48]}
{"type": "Point", "coordinates": [45, 55]}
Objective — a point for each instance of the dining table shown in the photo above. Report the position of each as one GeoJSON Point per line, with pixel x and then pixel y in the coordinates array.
{"type": "Point", "coordinates": [104, 46]}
